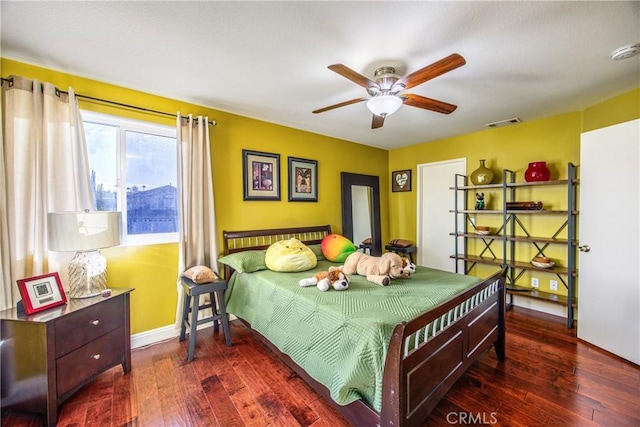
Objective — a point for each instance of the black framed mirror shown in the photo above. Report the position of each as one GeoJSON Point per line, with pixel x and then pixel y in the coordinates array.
{"type": "Point", "coordinates": [361, 210]}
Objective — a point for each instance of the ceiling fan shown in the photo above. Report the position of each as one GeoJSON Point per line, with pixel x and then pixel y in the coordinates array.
{"type": "Point", "coordinates": [385, 92]}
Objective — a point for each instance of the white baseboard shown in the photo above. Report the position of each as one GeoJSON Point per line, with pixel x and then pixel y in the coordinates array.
{"type": "Point", "coordinates": [540, 305]}
{"type": "Point", "coordinates": [154, 336]}
{"type": "Point", "coordinates": [163, 333]}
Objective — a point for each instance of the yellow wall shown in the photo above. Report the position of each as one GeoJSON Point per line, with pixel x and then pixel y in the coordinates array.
{"type": "Point", "coordinates": [152, 270]}
{"type": "Point", "coordinates": [619, 109]}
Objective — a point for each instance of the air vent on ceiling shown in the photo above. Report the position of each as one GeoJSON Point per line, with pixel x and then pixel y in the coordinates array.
{"type": "Point", "coordinates": [504, 122]}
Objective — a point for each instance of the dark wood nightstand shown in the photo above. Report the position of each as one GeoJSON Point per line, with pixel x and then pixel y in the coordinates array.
{"type": "Point", "coordinates": [49, 355]}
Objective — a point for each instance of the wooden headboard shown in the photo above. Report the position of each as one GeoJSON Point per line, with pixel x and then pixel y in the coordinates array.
{"type": "Point", "coordinates": [238, 241]}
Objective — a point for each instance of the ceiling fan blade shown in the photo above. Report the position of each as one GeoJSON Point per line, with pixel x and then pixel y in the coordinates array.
{"type": "Point", "coordinates": [342, 104]}
{"type": "Point", "coordinates": [357, 78]}
{"type": "Point", "coordinates": [434, 70]}
{"type": "Point", "coordinates": [419, 101]}
{"type": "Point", "coordinates": [377, 121]}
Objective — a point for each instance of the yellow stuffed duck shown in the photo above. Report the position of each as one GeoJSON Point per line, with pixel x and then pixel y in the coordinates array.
{"type": "Point", "coordinates": [289, 256]}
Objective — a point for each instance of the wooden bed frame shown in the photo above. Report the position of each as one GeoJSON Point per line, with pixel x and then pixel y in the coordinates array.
{"type": "Point", "coordinates": [426, 355]}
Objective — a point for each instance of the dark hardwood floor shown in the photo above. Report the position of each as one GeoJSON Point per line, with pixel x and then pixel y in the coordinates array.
{"type": "Point", "coordinates": [549, 379]}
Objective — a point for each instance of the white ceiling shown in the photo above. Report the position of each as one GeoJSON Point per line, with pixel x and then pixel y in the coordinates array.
{"type": "Point", "coordinates": [268, 60]}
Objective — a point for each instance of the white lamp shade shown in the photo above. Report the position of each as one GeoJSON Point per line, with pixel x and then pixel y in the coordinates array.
{"type": "Point", "coordinates": [384, 105]}
{"type": "Point", "coordinates": [83, 231]}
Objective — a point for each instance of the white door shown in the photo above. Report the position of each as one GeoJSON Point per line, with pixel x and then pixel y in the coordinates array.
{"type": "Point", "coordinates": [435, 222]}
{"type": "Point", "coordinates": [609, 279]}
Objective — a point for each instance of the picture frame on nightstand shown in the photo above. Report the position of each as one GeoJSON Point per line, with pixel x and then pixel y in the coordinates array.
{"type": "Point", "coordinates": [41, 292]}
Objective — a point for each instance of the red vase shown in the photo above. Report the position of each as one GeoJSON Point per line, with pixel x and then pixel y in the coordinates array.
{"type": "Point", "coordinates": [537, 171]}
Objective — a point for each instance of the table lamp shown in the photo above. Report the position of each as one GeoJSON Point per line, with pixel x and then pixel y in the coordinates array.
{"type": "Point", "coordinates": [85, 233]}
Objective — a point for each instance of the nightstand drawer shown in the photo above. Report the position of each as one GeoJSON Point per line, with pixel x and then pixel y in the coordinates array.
{"type": "Point", "coordinates": [88, 324]}
{"type": "Point", "coordinates": [83, 364]}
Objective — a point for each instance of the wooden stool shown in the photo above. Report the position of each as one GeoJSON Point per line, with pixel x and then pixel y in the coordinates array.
{"type": "Point", "coordinates": [192, 292]}
{"type": "Point", "coordinates": [409, 250]}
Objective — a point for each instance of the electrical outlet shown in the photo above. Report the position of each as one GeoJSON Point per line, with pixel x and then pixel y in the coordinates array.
{"type": "Point", "coordinates": [534, 282]}
{"type": "Point", "coordinates": [553, 285]}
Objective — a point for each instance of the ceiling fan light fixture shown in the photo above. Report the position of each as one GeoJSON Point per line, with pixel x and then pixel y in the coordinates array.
{"type": "Point", "coordinates": [396, 88]}
{"type": "Point", "coordinates": [384, 105]}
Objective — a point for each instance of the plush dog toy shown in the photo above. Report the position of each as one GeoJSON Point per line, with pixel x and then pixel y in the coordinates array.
{"type": "Point", "coordinates": [379, 270]}
{"type": "Point", "coordinates": [334, 278]}
{"type": "Point", "coordinates": [408, 268]}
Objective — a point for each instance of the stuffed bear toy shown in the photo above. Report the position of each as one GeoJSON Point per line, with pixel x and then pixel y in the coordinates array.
{"type": "Point", "coordinates": [334, 278]}
{"type": "Point", "coordinates": [379, 270]}
{"type": "Point", "coordinates": [408, 268]}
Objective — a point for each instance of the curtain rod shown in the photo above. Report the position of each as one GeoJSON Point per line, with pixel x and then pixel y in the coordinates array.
{"type": "Point", "coordinates": [119, 104]}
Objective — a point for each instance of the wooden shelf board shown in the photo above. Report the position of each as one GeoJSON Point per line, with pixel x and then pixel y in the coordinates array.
{"type": "Point", "coordinates": [478, 259]}
{"type": "Point", "coordinates": [517, 264]}
{"type": "Point", "coordinates": [535, 212]}
{"type": "Point", "coordinates": [484, 211]}
{"type": "Point", "coordinates": [529, 266]}
{"type": "Point", "coordinates": [538, 183]}
{"type": "Point", "coordinates": [517, 184]}
{"type": "Point", "coordinates": [477, 187]}
{"type": "Point", "coordinates": [539, 240]}
{"type": "Point", "coordinates": [531, 239]}
{"type": "Point", "coordinates": [534, 293]}
{"type": "Point", "coordinates": [513, 211]}
{"type": "Point", "coordinates": [478, 236]}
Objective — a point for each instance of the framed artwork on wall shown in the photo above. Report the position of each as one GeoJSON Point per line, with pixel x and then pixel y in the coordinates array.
{"type": "Point", "coordinates": [41, 292]}
{"type": "Point", "coordinates": [261, 175]}
{"type": "Point", "coordinates": [401, 180]}
{"type": "Point", "coordinates": [303, 180]}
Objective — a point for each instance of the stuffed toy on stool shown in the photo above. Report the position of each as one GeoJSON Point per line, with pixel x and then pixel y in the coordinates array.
{"type": "Point", "coordinates": [334, 278]}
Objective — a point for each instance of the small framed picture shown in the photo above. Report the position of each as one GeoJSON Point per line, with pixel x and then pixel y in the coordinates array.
{"type": "Point", "coordinates": [261, 175]}
{"type": "Point", "coordinates": [41, 292]}
{"type": "Point", "coordinates": [401, 180]}
{"type": "Point", "coordinates": [303, 180]}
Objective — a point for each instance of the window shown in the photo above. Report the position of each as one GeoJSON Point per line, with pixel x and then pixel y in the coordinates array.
{"type": "Point", "coordinates": [134, 170]}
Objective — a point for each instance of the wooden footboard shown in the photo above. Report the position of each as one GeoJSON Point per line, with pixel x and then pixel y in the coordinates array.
{"type": "Point", "coordinates": [428, 354]}
{"type": "Point", "coordinates": [425, 356]}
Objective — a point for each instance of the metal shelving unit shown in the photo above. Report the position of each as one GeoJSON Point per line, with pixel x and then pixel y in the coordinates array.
{"type": "Point", "coordinates": [513, 232]}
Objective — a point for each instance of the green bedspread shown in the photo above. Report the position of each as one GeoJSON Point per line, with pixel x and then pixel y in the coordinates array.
{"type": "Point", "coordinates": [339, 337]}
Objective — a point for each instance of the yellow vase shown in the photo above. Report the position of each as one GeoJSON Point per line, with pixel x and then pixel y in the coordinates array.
{"type": "Point", "coordinates": [482, 176]}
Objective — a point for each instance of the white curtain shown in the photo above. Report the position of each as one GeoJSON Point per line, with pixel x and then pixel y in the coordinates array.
{"type": "Point", "coordinates": [196, 214]}
{"type": "Point", "coordinates": [46, 169]}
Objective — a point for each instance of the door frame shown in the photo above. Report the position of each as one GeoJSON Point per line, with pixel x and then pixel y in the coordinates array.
{"type": "Point", "coordinates": [421, 171]}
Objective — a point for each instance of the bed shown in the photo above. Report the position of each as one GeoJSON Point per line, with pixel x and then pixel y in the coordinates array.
{"type": "Point", "coordinates": [415, 337]}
